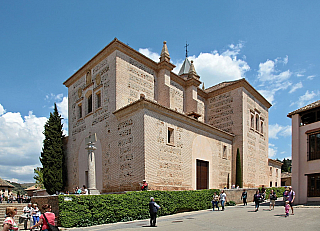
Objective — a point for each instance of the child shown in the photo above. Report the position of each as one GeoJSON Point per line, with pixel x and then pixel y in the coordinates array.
{"type": "Point", "coordinates": [287, 208]}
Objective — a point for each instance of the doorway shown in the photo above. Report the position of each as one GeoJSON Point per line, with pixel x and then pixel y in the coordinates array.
{"type": "Point", "coordinates": [202, 174]}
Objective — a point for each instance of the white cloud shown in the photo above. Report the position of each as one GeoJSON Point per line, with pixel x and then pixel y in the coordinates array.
{"type": "Point", "coordinates": [306, 99]}
{"type": "Point", "coordinates": [296, 87]}
{"type": "Point", "coordinates": [272, 79]}
{"type": "Point", "coordinates": [268, 94]}
{"type": "Point", "coordinates": [276, 129]}
{"type": "Point", "coordinates": [21, 143]}
{"type": "Point", "coordinates": [2, 111]}
{"type": "Point", "coordinates": [213, 67]}
{"type": "Point", "coordinates": [272, 150]}
{"type": "Point", "coordinates": [152, 55]}
{"type": "Point", "coordinates": [63, 110]}
{"type": "Point", "coordinates": [310, 77]}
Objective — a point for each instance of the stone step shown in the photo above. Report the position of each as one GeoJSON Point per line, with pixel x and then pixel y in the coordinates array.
{"type": "Point", "coordinates": [19, 207]}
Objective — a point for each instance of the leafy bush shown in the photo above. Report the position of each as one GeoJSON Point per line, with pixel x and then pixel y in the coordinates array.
{"type": "Point", "coordinates": [88, 210]}
{"type": "Point", "coordinates": [230, 203]}
{"type": "Point", "coordinates": [278, 190]}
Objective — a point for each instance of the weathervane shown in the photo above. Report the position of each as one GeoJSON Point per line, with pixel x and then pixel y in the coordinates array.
{"type": "Point", "coordinates": [186, 46]}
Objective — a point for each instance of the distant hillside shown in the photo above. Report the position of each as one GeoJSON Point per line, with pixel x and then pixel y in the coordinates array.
{"type": "Point", "coordinates": [20, 187]}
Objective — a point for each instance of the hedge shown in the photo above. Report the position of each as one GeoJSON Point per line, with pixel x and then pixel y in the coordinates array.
{"type": "Point", "coordinates": [88, 210]}
{"type": "Point", "coordinates": [278, 190]}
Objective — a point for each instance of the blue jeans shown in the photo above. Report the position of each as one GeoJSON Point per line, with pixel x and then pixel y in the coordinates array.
{"type": "Point", "coordinates": [35, 219]}
{"type": "Point", "coordinates": [222, 204]}
{"type": "Point", "coordinates": [256, 205]}
{"type": "Point", "coordinates": [215, 203]}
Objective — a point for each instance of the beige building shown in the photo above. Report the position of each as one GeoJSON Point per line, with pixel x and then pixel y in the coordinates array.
{"type": "Point", "coordinates": [274, 173]}
{"type": "Point", "coordinates": [306, 153]}
{"type": "Point", "coordinates": [160, 126]}
{"type": "Point", "coordinates": [5, 187]}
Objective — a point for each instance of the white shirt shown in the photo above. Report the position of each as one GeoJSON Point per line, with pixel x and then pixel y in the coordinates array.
{"type": "Point", "coordinates": [223, 196]}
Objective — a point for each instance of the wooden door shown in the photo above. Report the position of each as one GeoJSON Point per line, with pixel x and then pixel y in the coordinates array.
{"type": "Point", "coordinates": [202, 174]}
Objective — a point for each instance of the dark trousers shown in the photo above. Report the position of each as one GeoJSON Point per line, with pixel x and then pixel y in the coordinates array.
{"type": "Point", "coordinates": [153, 219]}
{"type": "Point", "coordinates": [244, 201]}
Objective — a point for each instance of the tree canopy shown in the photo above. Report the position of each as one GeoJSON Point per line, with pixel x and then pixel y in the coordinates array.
{"type": "Point", "coordinates": [52, 155]}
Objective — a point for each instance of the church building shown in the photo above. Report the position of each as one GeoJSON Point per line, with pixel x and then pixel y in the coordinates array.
{"type": "Point", "coordinates": [152, 124]}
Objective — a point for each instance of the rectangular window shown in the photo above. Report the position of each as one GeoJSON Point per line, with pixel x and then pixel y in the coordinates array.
{"type": "Point", "coordinates": [270, 183]}
{"type": "Point", "coordinates": [90, 103]}
{"type": "Point", "coordinates": [170, 136]}
{"type": "Point", "coordinates": [98, 96]}
{"type": "Point", "coordinates": [80, 110]}
{"type": "Point", "coordinates": [224, 153]}
{"type": "Point", "coordinates": [257, 122]}
{"type": "Point", "coordinates": [277, 172]}
{"type": "Point", "coordinates": [270, 171]}
{"type": "Point", "coordinates": [252, 121]}
{"type": "Point", "coordinates": [314, 185]}
{"type": "Point", "coordinates": [314, 146]}
{"type": "Point", "coordinates": [261, 128]}
{"type": "Point", "coordinates": [276, 184]}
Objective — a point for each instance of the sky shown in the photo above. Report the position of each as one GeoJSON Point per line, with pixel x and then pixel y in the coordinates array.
{"type": "Point", "coordinates": [273, 44]}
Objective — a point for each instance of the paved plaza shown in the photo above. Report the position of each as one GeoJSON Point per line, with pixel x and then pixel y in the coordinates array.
{"type": "Point", "coordinates": [233, 218]}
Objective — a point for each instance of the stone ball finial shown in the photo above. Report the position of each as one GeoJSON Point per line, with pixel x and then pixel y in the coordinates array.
{"type": "Point", "coordinates": [164, 42]}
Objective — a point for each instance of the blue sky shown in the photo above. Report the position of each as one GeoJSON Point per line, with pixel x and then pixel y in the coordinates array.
{"type": "Point", "coordinates": [273, 44]}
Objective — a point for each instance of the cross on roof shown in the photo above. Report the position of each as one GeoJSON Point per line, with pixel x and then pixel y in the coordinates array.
{"type": "Point", "coordinates": [186, 46]}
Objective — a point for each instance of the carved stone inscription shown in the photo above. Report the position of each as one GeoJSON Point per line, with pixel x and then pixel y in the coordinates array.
{"type": "Point", "coordinates": [220, 111]}
{"type": "Point", "coordinates": [126, 154]}
{"type": "Point", "coordinates": [139, 82]}
{"type": "Point", "coordinates": [169, 158]}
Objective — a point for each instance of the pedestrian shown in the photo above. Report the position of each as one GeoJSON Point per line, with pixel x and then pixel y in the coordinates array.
{"type": "Point", "coordinates": [291, 197]}
{"type": "Point", "coordinates": [215, 201]}
{"type": "Point", "coordinates": [263, 193]}
{"type": "Point", "coordinates": [85, 190]}
{"type": "Point", "coordinates": [153, 209]}
{"type": "Point", "coordinates": [45, 218]}
{"type": "Point", "coordinates": [35, 214]}
{"type": "Point", "coordinates": [285, 195]}
{"type": "Point", "coordinates": [144, 186]}
{"type": "Point", "coordinates": [27, 214]}
{"type": "Point", "coordinates": [244, 197]}
{"type": "Point", "coordinates": [287, 208]}
{"type": "Point", "coordinates": [257, 198]}
{"type": "Point", "coordinates": [273, 198]}
{"type": "Point", "coordinates": [9, 223]}
{"type": "Point", "coordinates": [223, 199]}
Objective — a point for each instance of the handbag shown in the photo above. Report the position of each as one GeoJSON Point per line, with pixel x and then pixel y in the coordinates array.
{"type": "Point", "coordinates": [51, 227]}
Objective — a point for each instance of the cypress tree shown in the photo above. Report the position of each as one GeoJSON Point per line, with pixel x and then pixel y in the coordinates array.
{"type": "Point", "coordinates": [52, 155]}
{"type": "Point", "coordinates": [238, 170]}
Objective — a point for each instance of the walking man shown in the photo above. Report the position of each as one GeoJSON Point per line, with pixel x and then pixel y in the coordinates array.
{"type": "Point", "coordinates": [223, 199]}
{"type": "Point", "coordinates": [153, 209]}
{"type": "Point", "coordinates": [244, 196]}
{"type": "Point", "coordinates": [291, 197]}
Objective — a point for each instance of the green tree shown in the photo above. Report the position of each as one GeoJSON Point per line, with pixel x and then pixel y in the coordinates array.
{"type": "Point", "coordinates": [238, 170]}
{"type": "Point", "coordinates": [52, 155]}
{"type": "Point", "coordinates": [287, 164]}
{"type": "Point", "coordinates": [38, 177]}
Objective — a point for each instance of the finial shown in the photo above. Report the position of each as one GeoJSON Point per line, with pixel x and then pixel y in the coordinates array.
{"type": "Point", "coordinates": [186, 46]}
{"type": "Point", "coordinates": [203, 86]}
{"type": "Point", "coordinates": [164, 56]}
{"type": "Point", "coordinates": [192, 70]}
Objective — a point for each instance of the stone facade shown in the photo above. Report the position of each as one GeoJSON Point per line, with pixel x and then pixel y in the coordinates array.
{"type": "Point", "coordinates": [156, 125]}
{"type": "Point", "coordinates": [274, 173]}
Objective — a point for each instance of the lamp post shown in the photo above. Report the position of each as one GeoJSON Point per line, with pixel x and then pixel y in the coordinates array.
{"type": "Point", "coordinates": [90, 141]}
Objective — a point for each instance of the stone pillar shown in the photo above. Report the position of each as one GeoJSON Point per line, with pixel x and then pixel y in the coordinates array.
{"type": "Point", "coordinates": [91, 166]}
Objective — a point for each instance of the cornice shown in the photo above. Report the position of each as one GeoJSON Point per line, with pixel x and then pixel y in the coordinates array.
{"type": "Point", "coordinates": [153, 106]}
{"type": "Point", "coordinates": [240, 83]}
{"type": "Point", "coordinates": [105, 52]}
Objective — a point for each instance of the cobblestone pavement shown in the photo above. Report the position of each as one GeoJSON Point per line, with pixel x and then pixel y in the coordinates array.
{"type": "Point", "coordinates": [233, 218]}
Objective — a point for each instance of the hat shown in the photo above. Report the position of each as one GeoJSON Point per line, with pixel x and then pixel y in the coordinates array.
{"type": "Point", "coordinates": [144, 180]}
{"type": "Point", "coordinates": [151, 198]}
{"type": "Point", "coordinates": [290, 187]}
